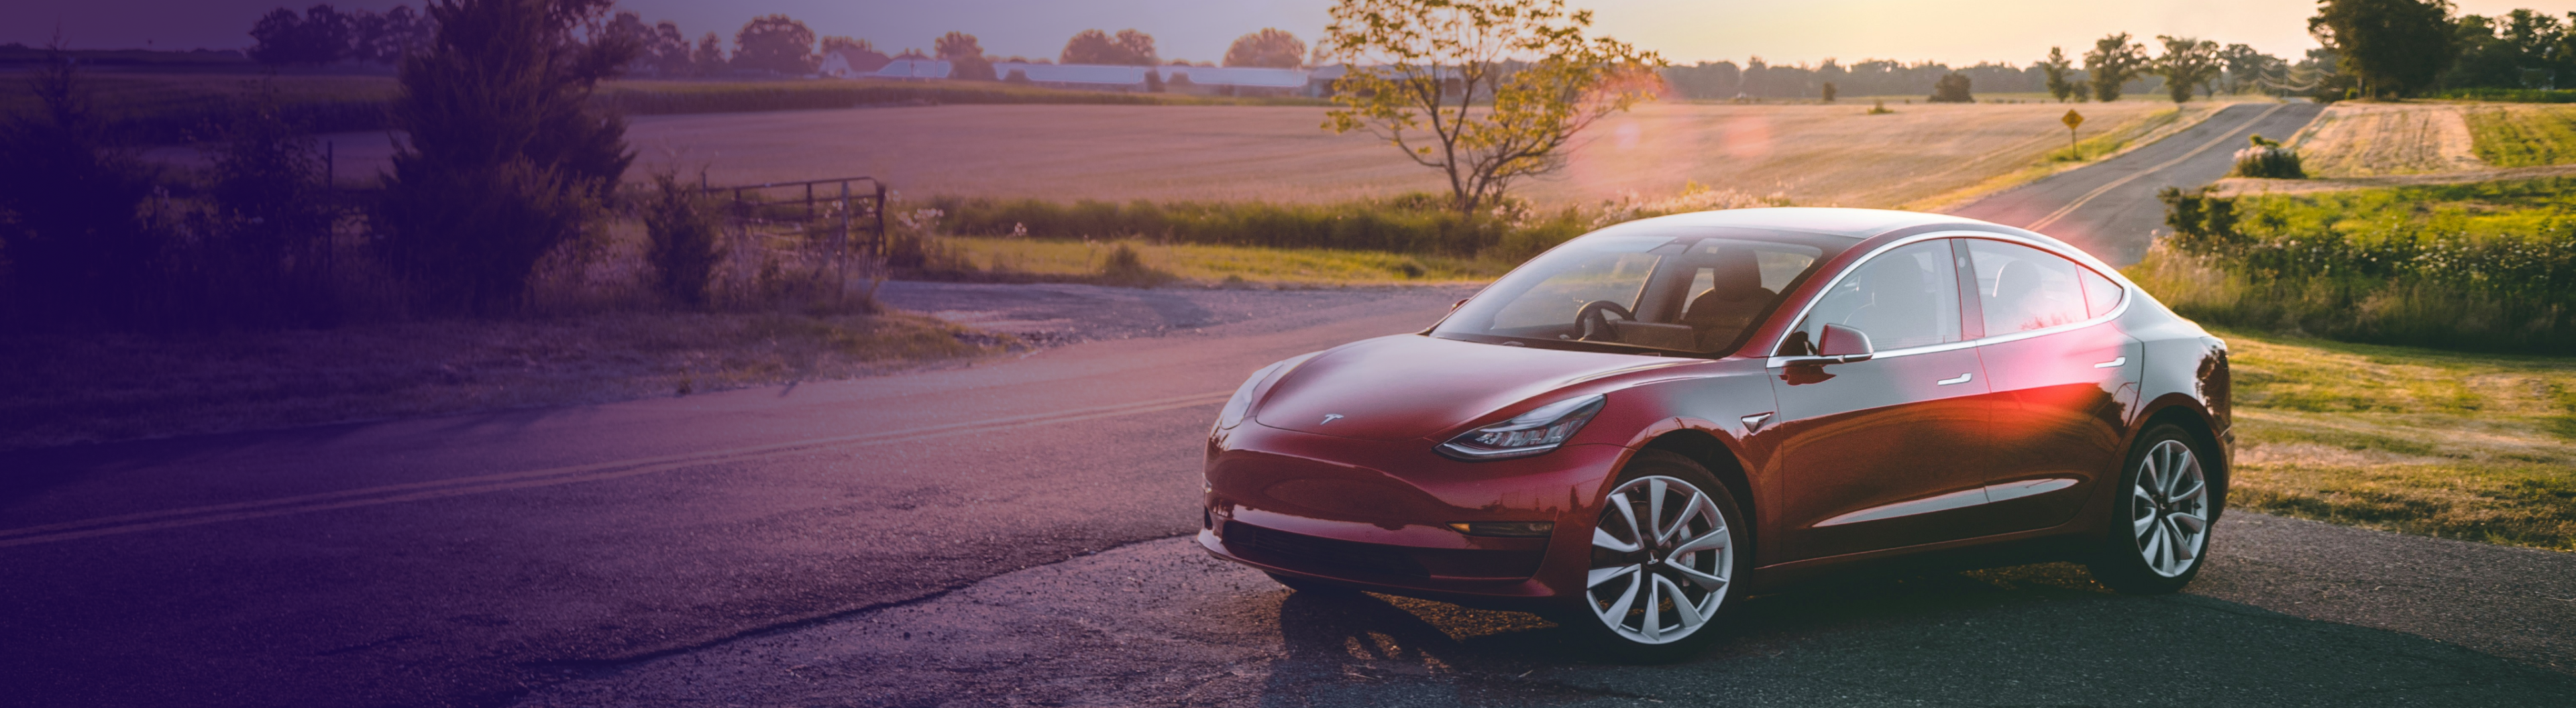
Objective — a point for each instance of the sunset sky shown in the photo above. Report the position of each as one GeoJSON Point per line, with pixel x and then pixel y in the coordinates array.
{"type": "Point", "coordinates": [1685, 31]}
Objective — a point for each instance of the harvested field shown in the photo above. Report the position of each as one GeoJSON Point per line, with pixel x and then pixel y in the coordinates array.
{"type": "Point", "coordinates": [1813, 154]}
{"type": "Point", "coordinates": [2377, 139]}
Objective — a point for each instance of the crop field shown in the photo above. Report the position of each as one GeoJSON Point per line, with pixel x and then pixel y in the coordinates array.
{"type": "Point", "coordinates": [1813, 154]}
{"type": "Point", "coordinates": [2374, 139]}
{"type": "Point", "coordinates": [2524, 135]}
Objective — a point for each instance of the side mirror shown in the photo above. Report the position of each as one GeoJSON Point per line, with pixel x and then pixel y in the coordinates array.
{"type": "Point", "coordinates": [1838, 345]}
{"type": "Point", "coordinates": [1845, 343]}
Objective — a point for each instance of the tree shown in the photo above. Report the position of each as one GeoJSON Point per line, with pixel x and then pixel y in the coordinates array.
{"type": "Point", "coordinates": [775, 43]}
{"type": "Point", "coordinates": [2247, 68]}
{"type": "Point", "coordinates": [2113, 62]}
{"type": "Point", "coordinates": [2058, 70]}
{"type": "Point", "coordinates": [505, 159]}
{"type": "Point", "coordinates": [1270, 47]}
{"type": "Point", "coordinates": [709, 58]}
{"type": "Point", "coordinates": [965, 57]}
{"type": "Point", "coordinates": [1091, 46]}
{"type": "Point", "coordinates": [319, 36]}
{"type": "Point", "coordinates": [2394, 47]}
{"type": "Point", "coordinates": [385, 38]}
{"type": "Point", "coordinates": [1951, 88]}
{"type": "Point", "coordinates": [1829, 92]}
{"type": "Point", "coordinates": [2187, 64]}
{"type": "Point", "coordinates": [79, 249]}
{"type": "Point", "coordinates": [1487, 91]}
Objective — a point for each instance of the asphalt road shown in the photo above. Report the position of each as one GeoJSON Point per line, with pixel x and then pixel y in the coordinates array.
{"type": "Point", "coordinates": [2110, 208]}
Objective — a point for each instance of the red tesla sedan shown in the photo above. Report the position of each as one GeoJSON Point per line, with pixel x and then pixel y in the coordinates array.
{"type": "Point", "coordinates": [1636, 429]}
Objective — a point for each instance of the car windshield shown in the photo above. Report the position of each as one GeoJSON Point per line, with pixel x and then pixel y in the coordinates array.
{"type": "Point", "coordinates": [1695, 291]}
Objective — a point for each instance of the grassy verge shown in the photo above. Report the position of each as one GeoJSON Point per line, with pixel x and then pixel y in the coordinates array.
{"type": "Point", "coordinates": [1418, 224]}
{"type": "Point", "coordinates": [2106, 144]}
{"type": "Point", "coordinates": [2523, 136]}
{"type": "Point", "coordinates": [1031, 259]}
{"type": "Point", "coordinates": [2468, 267]}
{"type": "Point", "coordinates": [2475, 447]}
{"type": "Point", "coordinates": [87, 388]}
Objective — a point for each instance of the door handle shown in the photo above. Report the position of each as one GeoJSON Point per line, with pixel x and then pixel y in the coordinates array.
{"type": "Point", "coordinates": [1959, 379]}
{"type": "Point", "coordinates": [2114, 363]}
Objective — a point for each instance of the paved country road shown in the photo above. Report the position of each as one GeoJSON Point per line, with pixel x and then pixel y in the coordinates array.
{"type": "Point", "coordinates": [2110, 208]}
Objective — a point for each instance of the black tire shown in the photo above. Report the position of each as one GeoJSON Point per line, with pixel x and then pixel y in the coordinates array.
{"type": "Point", "coordinates": [1589, 615]}
{"type": "Point", "coordinates": [1311, 586]}
{"type": "Point", "coordinates": [2128, 560]}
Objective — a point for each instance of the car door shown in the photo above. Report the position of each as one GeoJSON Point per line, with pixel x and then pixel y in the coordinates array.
{"type": "Point", "coordinates": [2063, 377]}
{"type": "Point", "coordinates": [1887, 452]}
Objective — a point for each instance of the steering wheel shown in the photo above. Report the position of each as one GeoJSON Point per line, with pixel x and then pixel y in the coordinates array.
{"type": "Point", "coordinates": [1595, 326]}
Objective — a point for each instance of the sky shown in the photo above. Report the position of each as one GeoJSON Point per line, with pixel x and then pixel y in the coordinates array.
{"type": "Point", "coordinates": [1684, 31]}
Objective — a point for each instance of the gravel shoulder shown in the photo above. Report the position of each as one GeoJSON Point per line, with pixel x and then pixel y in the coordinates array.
{"type": "Point", "coordinates": [2290, 612]}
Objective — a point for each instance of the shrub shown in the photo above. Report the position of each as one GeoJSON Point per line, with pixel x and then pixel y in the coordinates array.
{"type": "Point", "coordinates": [2267, 159]}
{"type": "Point", "coordinates": [79, 248]}
{"type": "Point", "coordinates": [264, 248]}
{"type": "Point", "coordinates": [1124, 267]}
{"type": "Point", "coordinates": [1951, 88]}
{"type": "Point", "coordinates": [505, 160]}
{"type": "Point", "coordinates": [681, 230]}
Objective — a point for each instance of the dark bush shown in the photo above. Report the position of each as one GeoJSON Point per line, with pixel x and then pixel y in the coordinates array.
{"type": "Point", "coordinates": [681, 227]}
{"type": "Point", "coordinates": [79, 249]}
{"type": "Point", "coordinates": [1951, 88]}
{"type": "Point", "coordinates": [506, 160]}
{"type": "Point", "coordinates": [261, 254]}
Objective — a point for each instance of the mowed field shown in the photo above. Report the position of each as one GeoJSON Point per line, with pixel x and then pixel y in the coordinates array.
{"type": "Point", "coordinates": [2354, 139]}
{"type": "Point", "coordinates": [1817, 155]}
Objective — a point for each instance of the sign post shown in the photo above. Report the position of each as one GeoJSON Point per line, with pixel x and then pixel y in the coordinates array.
{"type": "Point", "coordinates": [2071, 120]}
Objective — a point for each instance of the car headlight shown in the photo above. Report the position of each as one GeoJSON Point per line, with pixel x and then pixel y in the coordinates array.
{"type": "Point", "coordinates": [1241, 403]}
{"type": "Point", "coordinates": [1540, 430]}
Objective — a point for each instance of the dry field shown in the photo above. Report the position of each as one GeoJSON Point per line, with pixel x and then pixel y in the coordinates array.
{"type": "Point", "coordinates": [1814, 154]}
{"type": "Point", "coordinates": [2354, 139]}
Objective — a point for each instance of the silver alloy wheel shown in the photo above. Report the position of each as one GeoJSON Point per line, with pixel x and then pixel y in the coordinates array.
{"type": "Point", "coordinates": [1662, 557]}
{"type": "Point", "coordinates": [2169, 508]}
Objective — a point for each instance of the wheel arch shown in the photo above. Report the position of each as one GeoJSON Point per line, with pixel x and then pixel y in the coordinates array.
{"type": "Point", "coordinates": [2184, 413]}
{"type": "Point", "coordinates": [1722, 462]}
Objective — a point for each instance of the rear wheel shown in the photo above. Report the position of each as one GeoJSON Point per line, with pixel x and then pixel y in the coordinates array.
{"type": "Point", "coordinates": [1665, 554]}
{"type": "Point", "coordinates": [2161, 516]}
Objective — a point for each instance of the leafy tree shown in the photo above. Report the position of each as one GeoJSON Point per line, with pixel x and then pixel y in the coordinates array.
{"type": "Point", "coordinates": [2247, 68]}
{"type": "Point", "coordinates": [709, 57]}
{"type": "Point", "coordinates": [506, 160]}
{"type": "Point", "coordinates": [1951, 88]}
{"type": "Point", "coordinates": [78, 247]}
{"type": "Point", "coordinates": [2188, 63]}
{"type": "Point", "coordinates": [1829, 92]}
{"type": "Point", "coordinates": [1486, 91]}
{"type": "Point", "coordinates": [385, 38]}
{"type": "Point", "coordinates": [2394, 47]}
{"type": "Point", "coordinates": [775, 43]}
{"type": "Point", "coordinates": [965, 57]}
{"type": "Point", "coordinates": [1271, 47]}
{"type": "Point", "coordinates": [2113, 62]}
{"type": "Point", "coordinates": [319, 36]}
{"type": "Point", "coordinates": [2058, 70]}
{"type": "Point", "coordinates": [260, 252]}
{"type": "Point", "coordinates": [1091, 46]}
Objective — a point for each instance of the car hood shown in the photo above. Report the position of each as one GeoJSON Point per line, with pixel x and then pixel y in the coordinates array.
{"type": "Point", "coordinates": [1412, 386]}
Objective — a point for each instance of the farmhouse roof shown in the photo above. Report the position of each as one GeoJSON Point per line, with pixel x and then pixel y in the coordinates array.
{"type": "Point", "coordinates": [914, 69]}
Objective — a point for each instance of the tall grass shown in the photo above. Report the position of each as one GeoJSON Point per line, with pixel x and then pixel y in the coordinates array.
{"type": "Point", "coordinates": [2467, 267]}
{"type": "Point", "coordinates": [1413, 224]}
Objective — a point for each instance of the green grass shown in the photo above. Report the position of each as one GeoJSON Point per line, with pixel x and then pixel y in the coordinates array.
{"type": "Point", "coordinates": [2470, 267]}
{"type": "Point", "coordinates": [1004, 258]}
{"type": "Point", "coordinates": [2523, 136]}
{"type": "Point", "coordinates": [1417, 224]}
{"type": "Point", "coordinates": [2475, 447]}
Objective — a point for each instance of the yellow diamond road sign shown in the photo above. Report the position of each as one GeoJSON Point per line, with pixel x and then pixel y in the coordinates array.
{"type": "Point", "coordinates": [2072, 119]}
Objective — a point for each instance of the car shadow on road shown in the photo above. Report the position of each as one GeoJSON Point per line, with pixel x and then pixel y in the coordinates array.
{"type": "Point", "coordinates": [2039, 634]}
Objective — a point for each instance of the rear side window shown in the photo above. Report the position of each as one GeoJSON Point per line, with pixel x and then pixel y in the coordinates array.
{"type": "Point", "coordinates": [2023, 288]}
{"type": "Point", "coordinates": [2100, 294]}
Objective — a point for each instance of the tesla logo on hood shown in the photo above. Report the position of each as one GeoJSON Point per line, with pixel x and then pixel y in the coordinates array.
{"type": "Point", "coordinates": [1330, 417]}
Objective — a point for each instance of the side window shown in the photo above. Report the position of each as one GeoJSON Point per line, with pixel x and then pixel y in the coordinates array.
{"type": "Point", "coordinates": [2100, 294]}
{"type": "Point", "coordinates": [2023, 288]}
{"type": "Point", "coordinates": [1908, 297]}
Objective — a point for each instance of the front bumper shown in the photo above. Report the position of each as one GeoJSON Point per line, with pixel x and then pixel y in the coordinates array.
{"type": "Point", "coordinates": [1375, 515]}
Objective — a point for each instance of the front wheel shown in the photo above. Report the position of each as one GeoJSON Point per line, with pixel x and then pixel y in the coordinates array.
{"type": "Point", "coordinates": [2161, 517]}
{"type": "Point", "coordinates": [1665, 556]}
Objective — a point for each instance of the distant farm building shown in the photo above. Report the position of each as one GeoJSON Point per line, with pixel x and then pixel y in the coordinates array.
{"type": "Point", "coordinates": [914, 70]}
{"type": "Point", "coordinates": [1236, 81]}
{"type": "Point", "coordinates": [852, 63]}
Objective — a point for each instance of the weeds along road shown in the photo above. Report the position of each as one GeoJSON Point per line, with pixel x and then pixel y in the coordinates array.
{"type": "Point", "coordinates": [2110, 208]}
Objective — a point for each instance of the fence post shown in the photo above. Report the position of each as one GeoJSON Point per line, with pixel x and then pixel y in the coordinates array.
{"type": "Point", "coordinates": [841, 245]}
